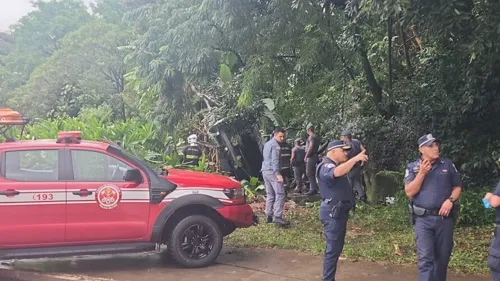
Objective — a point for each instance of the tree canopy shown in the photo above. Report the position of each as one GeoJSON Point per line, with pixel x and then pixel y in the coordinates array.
{"type": "Point", "coordinates": [390, 70]}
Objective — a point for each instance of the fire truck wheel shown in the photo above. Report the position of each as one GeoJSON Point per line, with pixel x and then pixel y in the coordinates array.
{"type": "Point", "coordinates": [196, 241]}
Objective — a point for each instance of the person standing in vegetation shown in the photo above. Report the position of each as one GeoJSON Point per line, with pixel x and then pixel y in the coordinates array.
{"type": "Point", "coordinates": [434, 185]}
{"type": "Point", "coordinates": [337, 200]}
{"type": "Point", "coordinates": [192, 153]}
{"type": "Point", "coordinates": [494, 251]}
{"type": "Point", "coordinates": [355, 174]}
{"type": "Point", "coordinates": [299, 166]}
{"type": "Point", "coordinates": [273, 180]}
{"type": "Point", "coordinates": [285, 154]}
{"type": "Point", "coordinates": [311, 159]}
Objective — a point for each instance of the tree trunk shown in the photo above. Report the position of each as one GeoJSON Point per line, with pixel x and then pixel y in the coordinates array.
{"type": "Point", "coordinates": [389, 53]}
{"type": "Point", "coordinates": [405, 45]}
{"type": "Point", "coordinates": [368, 71]}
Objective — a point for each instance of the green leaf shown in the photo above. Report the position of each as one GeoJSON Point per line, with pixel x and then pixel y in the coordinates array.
{"type": "Point", "coordinates": [229, 59]}
{"type": "Point", "coordinates": [472, 57]}
{"type": "Point", "coordinates": [225, 73]}
{"type": "Point", "coordinates": [260, 187]}
{"type": "Point", "coordinates": [269, 103]}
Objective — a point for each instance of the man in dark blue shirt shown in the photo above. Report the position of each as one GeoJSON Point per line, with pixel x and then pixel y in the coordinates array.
{"type": "Point", "coordinates": [337, 200]}
{"type": "Point", "coordinates": [297, 160]}
{"type": "Point", "coordinates": [355, 175]}
{"type": "Point", "coordinates": [433, 184]}
{"type": "Point", "coordinates": [494, 250]}
{"type": "Point", "coordinates": [311, 159]}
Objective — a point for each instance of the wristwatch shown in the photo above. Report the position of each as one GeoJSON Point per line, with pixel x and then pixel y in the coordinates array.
{"type": "Point", "coordinates": [453, 200]}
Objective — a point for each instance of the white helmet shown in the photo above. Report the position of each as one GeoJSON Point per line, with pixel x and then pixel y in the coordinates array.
{"type": "Point", "coordinates": [192, 139]}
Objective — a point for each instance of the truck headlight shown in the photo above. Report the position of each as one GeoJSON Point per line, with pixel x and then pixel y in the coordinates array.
{"type": "Point", "coordinates": [236, 194]}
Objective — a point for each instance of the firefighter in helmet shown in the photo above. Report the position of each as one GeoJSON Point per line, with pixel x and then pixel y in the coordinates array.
{"type": "Point", "coordinates": [192, 153]}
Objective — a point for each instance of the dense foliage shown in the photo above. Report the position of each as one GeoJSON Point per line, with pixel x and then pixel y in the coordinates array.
{"type": "Point", "coordinates": [391, 70]}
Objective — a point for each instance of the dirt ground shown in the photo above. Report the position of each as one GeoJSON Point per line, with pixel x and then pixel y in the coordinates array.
{"type": "Point", "coordinates": [232, 265]}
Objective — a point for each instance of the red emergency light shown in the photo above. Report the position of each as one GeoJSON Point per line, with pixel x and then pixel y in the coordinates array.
{"type": "Point", "coordinates": [69, 137]}
{"type": "Point", "coordinates": [11, 117]}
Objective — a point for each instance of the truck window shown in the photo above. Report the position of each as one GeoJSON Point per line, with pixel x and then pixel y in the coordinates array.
{"type": "Point", "coordinates": [96, 166]}
{"type": "Point", "coordinates": [32, 165]}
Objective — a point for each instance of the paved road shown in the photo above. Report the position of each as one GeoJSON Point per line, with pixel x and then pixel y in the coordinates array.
{"type": "Point", "coordinates": [233, 265]}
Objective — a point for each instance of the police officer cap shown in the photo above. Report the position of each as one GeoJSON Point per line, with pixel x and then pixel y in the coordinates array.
{"type": "Point", "coordinates": [346, 133]}
{"type": "Point", "coordinates": [427, 140]}
{"type": "Point", "coordinates": [337, 144]}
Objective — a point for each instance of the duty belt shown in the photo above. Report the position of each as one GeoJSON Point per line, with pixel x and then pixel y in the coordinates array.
{"type": "Point", "coordinates": [419, 211]}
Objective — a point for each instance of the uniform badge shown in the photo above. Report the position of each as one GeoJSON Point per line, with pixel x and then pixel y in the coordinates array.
{"type": "Point", "coordinates": [108, 196]}
{"type": "Point", "coordinates": [416, 168]}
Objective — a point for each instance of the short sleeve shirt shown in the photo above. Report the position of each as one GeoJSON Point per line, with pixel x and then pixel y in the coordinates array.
{"type": "Point", "coordinates": [331, 187]}
{"type": "Point", "coordinates": [437, 185]}
{"type": "Point", "coordinates": [300, 153]}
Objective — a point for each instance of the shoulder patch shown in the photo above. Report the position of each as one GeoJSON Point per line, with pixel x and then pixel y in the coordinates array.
{"type": "Point", "coordinates": [416, 169]}
{"type": "Point", "coordinates": [407, 173]}
{"type": "Point", "coordinates": [329, 165]}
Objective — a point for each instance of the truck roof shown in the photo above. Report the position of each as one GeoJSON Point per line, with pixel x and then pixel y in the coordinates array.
{"type": "Point", "coordinates": [52, 143]}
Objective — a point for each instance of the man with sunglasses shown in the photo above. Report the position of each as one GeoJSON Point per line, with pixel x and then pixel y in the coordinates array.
{"type": "Point", "coordinates": [434, 185]}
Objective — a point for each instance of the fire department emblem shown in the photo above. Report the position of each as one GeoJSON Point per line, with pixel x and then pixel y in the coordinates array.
{"type": "Point", "coordinates": [108, 196]}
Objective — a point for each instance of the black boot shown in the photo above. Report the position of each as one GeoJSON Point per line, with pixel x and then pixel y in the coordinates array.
{"type": "Point", "coordinates": [281, 222]}
{"type": "Point", "coordinates": [311, 192]}
{"type": "Point", "coordinates": [269, 219]}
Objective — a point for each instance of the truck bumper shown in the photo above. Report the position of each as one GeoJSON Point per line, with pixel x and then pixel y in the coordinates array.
{"type": "Point", "coordinates": [240, 215]}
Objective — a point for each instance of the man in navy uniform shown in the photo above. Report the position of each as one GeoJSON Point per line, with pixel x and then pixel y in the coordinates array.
{"type": "Point", "coordinates": [433, 184]}
{"type": "Point", "coordinates": [356, 174]}
{"type": "Point", "coordinates": [337, 199]}
{"type": "Point", "coordinates": [297, 160]}
{"type": "Point", "coordinates": [311, 159]}
{"type": "Point", "coordinates": [494, 250]}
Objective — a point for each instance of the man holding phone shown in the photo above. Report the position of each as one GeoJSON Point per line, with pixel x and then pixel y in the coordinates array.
{"type": "Point", "coordinates": [434, 185]}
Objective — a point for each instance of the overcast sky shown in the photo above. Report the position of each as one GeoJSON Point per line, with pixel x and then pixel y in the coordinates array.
{"type": "Point", "coordinates": [12, 10]}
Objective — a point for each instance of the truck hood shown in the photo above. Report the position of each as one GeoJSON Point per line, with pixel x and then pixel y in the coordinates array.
{"type": "Point", "coordinates": [187, 178]}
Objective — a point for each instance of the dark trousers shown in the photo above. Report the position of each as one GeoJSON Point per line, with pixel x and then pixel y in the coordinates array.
{"type": "Point", "coordinates": [494, 257]}
{"type": "Point", "coordinates": [335, 231]}
{"type": "Point", "coordinates": [298, 172]}
{"type": "Point", "coordinates": [311, 172]}
{"type": "Point", "coordinates": [434, 237]}
{"type": "Point", "coordinates": [495, 275]}
{"type": "Point", "coordinates": [354, 177]}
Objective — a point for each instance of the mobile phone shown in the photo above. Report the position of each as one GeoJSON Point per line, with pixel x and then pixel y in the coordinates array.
{"type": "Point", "coordinates": [486, 204]}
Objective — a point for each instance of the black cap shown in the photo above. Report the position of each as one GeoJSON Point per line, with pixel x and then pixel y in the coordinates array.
{"type": "Point", "coordinates": [346, 133]}
{"type": "Point", "coordinates": [337, 144]}
{"type": "Point", "coordinates": [427, 140]}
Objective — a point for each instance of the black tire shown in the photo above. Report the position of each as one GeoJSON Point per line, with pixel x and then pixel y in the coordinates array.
{"type": "Point", "coordinates": [196, 241]}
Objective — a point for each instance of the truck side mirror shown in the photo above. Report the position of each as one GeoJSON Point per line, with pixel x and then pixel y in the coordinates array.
{"type": "Point", "coordinates": [133, 175]}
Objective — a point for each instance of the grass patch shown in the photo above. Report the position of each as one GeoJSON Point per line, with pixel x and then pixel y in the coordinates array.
{"type": "Point", "coordinates": [375, 233]}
